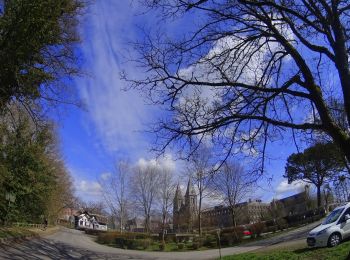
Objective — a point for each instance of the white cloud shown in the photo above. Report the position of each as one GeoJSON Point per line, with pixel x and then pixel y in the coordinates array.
{"type": "Point", "coordinates": [88, 188]}
{"type": "Point", "coordinates": [105, 176]}
{"type": "Point", "coordinates": [284, 187]}
{"type": "Point", "coordinates": [166, 162]}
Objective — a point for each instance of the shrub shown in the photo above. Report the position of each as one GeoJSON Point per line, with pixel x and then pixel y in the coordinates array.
{"type": "Point", "coordinates": [199, 240]}
{"type": "Point", "coordinates": [138, 243]}
{"type": "Point", "coordinates": [144, 243]}
{"type": "Point", "coordinates": [195, 245]}
{"type": "Point", "coordinates": [161, 246]}
{"type": "Point", "coordinates": [271, 229]}
{"type": "Point", "coordinates": [106, 238]}
{"type": "Point", "coordinates": [237, 234]}
{"type": "Point", "coordinates": [213, 244]}
{"type": "Point", "coordinates": [256, 229]}
{"type": "Point", "coordinates": [95, 232]}
{"type": "Point", "coordinates": [120, 242]}
{"type": "Point", "coordinates": [180, 246]}
{"type": "Point", "coordinates": [282, 223]}
{"type": "Point", "coordinates": [226, 239]}
{"type": "Point", "coordinates": [208, 240]}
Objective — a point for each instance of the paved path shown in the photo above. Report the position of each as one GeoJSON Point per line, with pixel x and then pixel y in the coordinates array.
{"type": "Point", "coordinates": [73, 244]}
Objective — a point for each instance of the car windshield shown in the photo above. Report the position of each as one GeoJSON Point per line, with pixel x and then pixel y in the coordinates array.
{"type": "Point", "coordinates": [333, 216]}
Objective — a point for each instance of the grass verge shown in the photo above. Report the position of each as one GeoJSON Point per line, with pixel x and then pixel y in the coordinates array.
{"type": "Point", "coordinates": [340, 252]}
{"type": "Point", "coordinates": [15, 232]}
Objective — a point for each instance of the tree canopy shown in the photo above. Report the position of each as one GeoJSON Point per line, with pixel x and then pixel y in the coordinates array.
{"type": "Point", "coordinates": [318, 165]}
{"type": "Point", "coordinates": [37, 55]}
{"type": "Point", "coordinates": [246, 71]}
{"type": "Point", "coordinates": [31, 171]}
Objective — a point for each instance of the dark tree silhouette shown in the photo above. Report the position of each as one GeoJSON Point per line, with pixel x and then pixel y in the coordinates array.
{"type": "Point", "coordinates": [317, 165]}
{"type": "Point", "coordinates": [246, 71]}
{"type": "Point", "coordinates": [37, 53]}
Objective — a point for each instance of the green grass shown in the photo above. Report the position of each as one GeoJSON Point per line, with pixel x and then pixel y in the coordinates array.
{"type": "Point", "coordinates": [15, 232]}
{"type": "Point", "coordinates": [340, 252]}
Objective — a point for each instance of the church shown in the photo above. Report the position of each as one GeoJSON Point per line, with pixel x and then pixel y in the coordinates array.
{"type": "Point", "coordinates": [185, 211]}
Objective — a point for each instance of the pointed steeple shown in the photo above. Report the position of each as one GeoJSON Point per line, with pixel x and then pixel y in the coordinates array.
{"type": "Point", "coordinates": [190, 189]}
{"type": "Point", "coordinates": [178, 194]}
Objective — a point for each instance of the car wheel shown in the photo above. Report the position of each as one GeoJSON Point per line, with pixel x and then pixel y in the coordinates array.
{"type": "Point", "coordinates": [334, 240]}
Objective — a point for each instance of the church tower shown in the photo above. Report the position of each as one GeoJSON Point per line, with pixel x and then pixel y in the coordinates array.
{"type": "Point", "coordinates": [178, 199]}
{"type": "Point", "coordinates": [190, 205]}
{"type": "Point", "coordinates": [177, 206]}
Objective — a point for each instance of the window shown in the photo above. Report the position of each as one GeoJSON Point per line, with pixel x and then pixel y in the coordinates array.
{"type": "Point", "coordinates": [345, 213]}
{"type": "Point", "coordinates": [333, 216]}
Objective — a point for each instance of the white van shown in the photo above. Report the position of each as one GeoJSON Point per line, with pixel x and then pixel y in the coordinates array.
{"type": "Point", "coordinates": [334, 228]}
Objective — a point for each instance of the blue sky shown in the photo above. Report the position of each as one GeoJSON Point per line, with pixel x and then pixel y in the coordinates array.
{"type": "Point", "coordinates": [111, 127]}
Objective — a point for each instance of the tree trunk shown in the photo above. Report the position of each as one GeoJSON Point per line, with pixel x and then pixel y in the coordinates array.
{"type": "Point", "coordinates": [319, 196]}
{"type": "Point", "coordinates": [163, 229]}
{"type": "Point", "coordinates": [147, 224]}
{"type": "Point", "coordinates": [233, 217]}
{"type": "Point", "coordinates": [199, 216]}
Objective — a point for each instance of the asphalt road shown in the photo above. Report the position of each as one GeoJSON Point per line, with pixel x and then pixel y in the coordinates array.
{"type": "Point", "coordinates": [73, 244]}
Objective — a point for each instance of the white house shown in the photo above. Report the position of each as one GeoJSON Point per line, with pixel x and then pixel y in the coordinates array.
{"type": "Point", "coordinates": [90, 221]}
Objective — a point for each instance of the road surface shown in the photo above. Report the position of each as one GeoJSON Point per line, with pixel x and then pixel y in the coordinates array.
{"type": "Point", "coordinates": [73, 244]}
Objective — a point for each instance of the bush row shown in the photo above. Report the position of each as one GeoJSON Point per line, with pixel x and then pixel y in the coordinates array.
{"type": "Point", "coordinates": [110, 237]}
{"type": "Point", "coordinates": [133, 243]}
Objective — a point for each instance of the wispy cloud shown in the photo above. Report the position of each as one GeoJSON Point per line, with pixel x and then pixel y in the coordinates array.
{"type": "Point", "coordinates": [119, 117]}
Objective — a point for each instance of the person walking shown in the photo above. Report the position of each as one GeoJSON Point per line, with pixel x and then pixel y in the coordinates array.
{"type": "Point", "coordinates": [45, 223]}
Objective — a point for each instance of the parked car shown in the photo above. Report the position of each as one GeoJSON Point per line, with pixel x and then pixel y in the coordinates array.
{"type": "Point", "coordinates": [334, 228]}
{"type": "Point", "coordinates": [247, 233]}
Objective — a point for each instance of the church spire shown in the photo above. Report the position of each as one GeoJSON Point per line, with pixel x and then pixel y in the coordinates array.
{"type": "Point", "coordinates": [178, 194]}
{"type": "Point", "coordinates": [190, 189]}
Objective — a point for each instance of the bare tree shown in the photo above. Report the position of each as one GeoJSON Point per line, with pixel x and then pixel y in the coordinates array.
{"type": "Point", "coordinates": [247, 71]}
{"type": "Point", "coordinates": [114, 190]}
{"type": "Point", "coordinates": [144, 187]}
{"type": "Point", "coordinates": [93, 207]}
{"type": "Point", "coordinates": [342, 188]}
{"type": "Point", "coordinates": [201, 171]}
{"type": "Point", "coordinates": [234, 185]}
{"type": "Point", "coordinates": [166, 194]}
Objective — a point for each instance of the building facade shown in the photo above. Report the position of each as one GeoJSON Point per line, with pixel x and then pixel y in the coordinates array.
{"type": "Point", "coordinates": [248, 212]}
{"type": "Point", "coordinates": [293, 205]}
{"type": "Point", "coordinates": [185, 209]}
{"type": "Point", "coordinates": [86, 220]}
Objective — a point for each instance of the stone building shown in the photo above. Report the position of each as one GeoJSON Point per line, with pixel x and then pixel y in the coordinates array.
{"type": "Point", "coordinates": [185, 209]}
{"type": "Point", "coordinates": [248, 212]}
{"type": "Point", "coordinates": [293, 205]}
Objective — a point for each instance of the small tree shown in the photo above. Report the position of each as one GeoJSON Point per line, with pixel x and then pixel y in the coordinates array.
{"type": "Point", "coordinates": [114, 190]}
{"type": "Point", "coordinates": [144, 188]}
{"type": "Point", "coordinates": [342, 188]}
{"type": "Point", "coordinates": [201, 172]}
{"type": "Point", "coordinates": [233, 186]}
{"type": "Point", "coordinates": [316, 165]}
{"type": "Point", "coordinates": [166, 194]}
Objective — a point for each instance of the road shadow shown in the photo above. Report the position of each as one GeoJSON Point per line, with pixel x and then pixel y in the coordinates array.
{"type": "Point", "coordinates": [48, 249]}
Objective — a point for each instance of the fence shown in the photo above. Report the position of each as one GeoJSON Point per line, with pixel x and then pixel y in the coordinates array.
{"type": "Point", "coordinates": [28, 225]}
